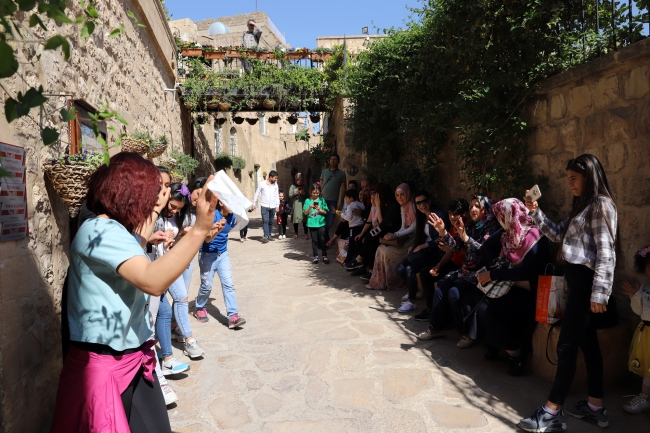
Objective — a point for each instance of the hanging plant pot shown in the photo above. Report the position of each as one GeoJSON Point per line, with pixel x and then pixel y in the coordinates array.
{"type": "Point", "coordinates": [238, 120]}
{"type": "Point", "coordinates": [274, 119]}
{"type": "Point", "coordinates": [70, 183]}
{"type": "Point", "coordinates": [156, 149]}
{"type": "Point", "coordinates": [250, 105]}
{"type": "Point", "coordinates": [201, 119]}
{"type": "Point", "coordinates": [170, 163]}
{"type": "Point", "coordinates": [293, 119]}
{"type": "Point", "coordinates": [212, 105]}
{"type": "Point", "coordinates": [317, 57]}
{"type": "Point", "coordinates": [314, 117]}
{"type": "Point", "coordinates": [136, 146]}
{"type": "Point", "coordinates": [220, 120]}
{"type": "Point", "coordinates": [251, 120]}
{"type": "Point", "coordinates": [224, 106]}
{"type": "Point", "coordinates": [233, 54]}
{"type": "Point", "coordinates": [269, 104]}
{"type": "Point", "coordinates": [214, 55]}
{"type": "Point", "coordinates": [297, 55]}
{"type": "Point", "coordinates": [176, 177]}
{"type": "Point", "coordinates": [190, 105]}
{"type": "Point", "coordinates": [192, 52]}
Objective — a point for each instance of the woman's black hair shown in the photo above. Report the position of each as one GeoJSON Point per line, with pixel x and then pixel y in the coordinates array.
{"type": "Point", "coordinates": [162, 169]}
{"type": "Point", "coordinates": [315, 187]}
{"type": "Point", "coordinates": [458, 206]}
{"type": "Point", "coordinates": [421, 219]}
{"type": "Point", "coordinates": [595, 186]}
{"type": "Point", "coordinates": [177, 195]}
{"type": "Point", "coordinates": [641, 262]}
{"type": "Point", "coordinates": [386, 195]}
{"type": "Point", "coordinates": [197, 182]}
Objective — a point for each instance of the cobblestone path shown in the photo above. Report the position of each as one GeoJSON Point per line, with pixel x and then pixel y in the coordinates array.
{"type": "Point", "coordinates": [320, 353]}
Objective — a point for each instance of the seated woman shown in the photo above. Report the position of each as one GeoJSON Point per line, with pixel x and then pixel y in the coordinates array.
{"type": "Point", "coordinates": [384, 218]}
{"type": "Point", "coordinates": [425, 252]}
{"type": "Point", "coordinates": [458, 284]}
{"type": "Point", "coordinates": [384, 272]}
{"type": "Point", "coordinates": [511, 318]}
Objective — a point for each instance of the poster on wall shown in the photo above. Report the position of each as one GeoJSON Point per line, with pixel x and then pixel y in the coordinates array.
{"type": "Point", "coordinates": [13, 197]}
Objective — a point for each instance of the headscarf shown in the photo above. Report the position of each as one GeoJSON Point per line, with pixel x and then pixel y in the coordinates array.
{"type": "Point", "coordinates": [485, 203]}
{"type": "Point", "coordinates": [408, 209]}
{"type": "Point", "coordinates": [296, 177]}
{"type": "Point", "coordinates": [520, 233]}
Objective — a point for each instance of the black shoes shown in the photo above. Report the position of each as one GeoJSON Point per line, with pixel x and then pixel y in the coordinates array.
{"type": "Point", "coordinates": [424, 316]}
{"type": "Point", "coordinates": [518, 364]}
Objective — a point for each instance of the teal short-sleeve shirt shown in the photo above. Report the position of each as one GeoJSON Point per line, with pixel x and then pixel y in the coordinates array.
{"type": "Point", "coordinates": [104, 308]}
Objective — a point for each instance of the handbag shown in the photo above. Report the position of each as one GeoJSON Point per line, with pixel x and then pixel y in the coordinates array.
{"type": "Point", "coordinates": [498, 288]}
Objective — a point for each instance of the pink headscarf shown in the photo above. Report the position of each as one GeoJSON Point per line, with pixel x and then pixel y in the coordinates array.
{"type": "Point", "coordinates": [520, 233]}
{"type": "Point", "coordinates": [409, 208]}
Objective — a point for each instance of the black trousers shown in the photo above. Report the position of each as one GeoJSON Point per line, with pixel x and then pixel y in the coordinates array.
{"type": "Point", "coordinates": [511, 320]}
{"type": "Point", "coordinates": [144, 405]}
{"type": "Point", "coordinates": [318, 240]}
{"type": "Point", "coordinates": [343, 230]}
{"type": "Point", "coordinates": [578, 331]}
{"type": "Point", "coordinates": [353, 245]}
{"type": "Point", "coordinates": [411, 269]}
{"type": "Point", "coordinates": [243, 232]}
{"type": "Point", "coordinates": [369, 249]}
{"type": "Point", "coordinates": [282, 229]}
{"type": "Point", "coordinates": [304, 226]}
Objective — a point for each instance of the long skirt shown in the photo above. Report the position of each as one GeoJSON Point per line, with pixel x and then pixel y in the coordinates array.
{"type": "Point", "coordinates": [384, 272]}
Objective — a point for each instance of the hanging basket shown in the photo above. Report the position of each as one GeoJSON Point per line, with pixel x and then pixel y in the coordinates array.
{"type": "Point", "coordinates": [251, 120]}
{"type": "Point", "coordinates": [168, 162]}
{"type": "Point", "coordinates": [136, 146]}
{"type": "Point", "coordinates": [274, 119]}
{"type": "Point", "coordinates": [156, 150]}
{"type": "Point", "coordinates": [238, 120]}
{"type": "Point", "coordinates": [293, 119]}
{"type": "Point", "coordinates": [224, 106]}
{"type": "Point", "coordinates": [220, 120]}
{"type": "Point", "coordinates": [315, 118]}
{"type": "Point", "coordinates": [176, 178]}
{"type": "Point", "coordinates": [269, 104]}
{"type": "Point", "coordinates": [70, 183]}
{"type": "Point", "coordinates": [212, 105]}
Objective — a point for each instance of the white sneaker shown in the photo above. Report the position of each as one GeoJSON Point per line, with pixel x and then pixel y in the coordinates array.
{"type": "Point", "coordinates": [192, 349]}
{"type": "Point", "coordinates": [638, 404]}
{"type": "Point", "coordinates": [405, 298]}
{"type": "Point", "coordinates": [407, 306]}
{"type": "Point", "coordinates": [241, 240]}
{"type": "Point", "coordinates": [169, 394]}
{"type": "Point", "coordinates": [173, 366]}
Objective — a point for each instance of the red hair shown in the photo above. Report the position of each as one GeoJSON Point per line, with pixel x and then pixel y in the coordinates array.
{"type": "Point", "coordinates": [126, 190]}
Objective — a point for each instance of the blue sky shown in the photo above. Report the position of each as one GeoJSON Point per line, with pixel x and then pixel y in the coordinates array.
{"type": "Point", "coordinates": [302, 22]}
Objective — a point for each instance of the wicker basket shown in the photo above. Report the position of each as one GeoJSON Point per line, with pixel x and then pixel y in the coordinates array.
{"type": "Point", "coordinates": [131, 145]}
{"type": "Point", "coordinates": [169, 163]}
{"type": "Point", "coordinates": [156, 150]}
{"type": "Point", "coordinates": [70, 182]}
{"type": "Point", "coordinates": [268, 104]}
{"type": "Point", "coordinates": [176, 178]}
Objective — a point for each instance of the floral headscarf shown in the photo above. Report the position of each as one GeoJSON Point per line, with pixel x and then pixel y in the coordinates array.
{"type": "Point", "coordinates": [408, 208]}
{"type": "Point", "coordinates": [485, 203]}
{"type": "Point", "coordinates": [520, 233]}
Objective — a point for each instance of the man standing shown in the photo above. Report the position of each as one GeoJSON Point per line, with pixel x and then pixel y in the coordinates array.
{"type": "Point", "coordinates": [332, 182]}
{"type": "Point", "coordinates": [251, 39]}
{"type": "Point", "coordinates": [270, 203]}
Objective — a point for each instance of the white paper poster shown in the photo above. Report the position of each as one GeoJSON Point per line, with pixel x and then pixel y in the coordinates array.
{"type": "Point", "coordinates": [12, 231]}
{"type": "Point", "coordinates": [13, 211]}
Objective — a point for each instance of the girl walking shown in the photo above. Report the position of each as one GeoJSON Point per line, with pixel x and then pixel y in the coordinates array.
{"type": "Point", "coordinates": [588, 239]}
{"type": "Point", "coordinates": [639, 362]}
{"type": "Point", "coordinates": [297, 198]}
{"type": "Point", "coordinates": [315, 209]}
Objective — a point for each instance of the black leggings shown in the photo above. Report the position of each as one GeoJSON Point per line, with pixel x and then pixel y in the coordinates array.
{"type": "Point", "coordinates": [243, 232]}
{"type": "Point", "coordinates": [578, 331]}
{"type": "Point", "coordinates": [304, 226]}
{"type": "Point", "coordinates": [318, 240]}
{"type": "Point", "coordinates": [511, 320]}
{"type": "Point", "coordinates": [144, 405]}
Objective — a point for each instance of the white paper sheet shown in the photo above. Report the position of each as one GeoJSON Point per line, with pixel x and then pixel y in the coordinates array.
{"type": "Point", "coordinates": [232, 197]}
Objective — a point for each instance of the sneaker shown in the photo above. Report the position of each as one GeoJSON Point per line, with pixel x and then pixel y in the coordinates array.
{"type": "Point", "coordinates": [201, 315]}
{"type": "Point", "coordinates": [236, 322]}
{"type": "Point", "coordinates": [246, 238]}
{"type": "Point", "coordinates": [326, 260]}
{"type": "Point", "coordinates": [638, 404]}
{"type": "Point", "coordinates": [407, 306]}
{"type": "Point", "coordinates": [405, 298]}
{"type": "Point", "coordinates": [173, 366]}
{"type": "Point", "coordinates": [358, 272]}
{"type": "Point", "coordinates": [169, 394]}
{"type": "Point", "coordinates": [315, 261]}
{"type": "Point", "coordinates": [176, 333]}
{"type": "Point", "coordinates": [543, 422]}
{"type": "Point", "coordinates": [353, 265]}
{"type": "Point", "coordinates": [581, 410]}
{"type": "Point", "coordinates": [265, 240]}
{"type": "Point", "coordinates": [430, 335]}
{"type": "Point", "coordinates": [517, 364]}
{"type": "Point", "coordinates": [366, 277]}
{"type": "Point", "coordinates": [424, 316]}
{"type": "Point", "coordinates": [271, 238]}
{"type": "Point", "coordinates": [465, 342]}
{"type": "Point", "coordinates": [192, 349]}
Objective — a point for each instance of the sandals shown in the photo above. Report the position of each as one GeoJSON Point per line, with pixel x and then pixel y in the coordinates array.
{"type": "Point", "coordinates": [326, 260]}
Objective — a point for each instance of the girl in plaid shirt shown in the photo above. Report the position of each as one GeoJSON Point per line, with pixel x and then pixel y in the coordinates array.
{"type": "Point", "coordinates": [588, 240]}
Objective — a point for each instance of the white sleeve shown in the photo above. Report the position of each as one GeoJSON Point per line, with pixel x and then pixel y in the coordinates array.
{"type": "Point", "coordinates": [257, 193]}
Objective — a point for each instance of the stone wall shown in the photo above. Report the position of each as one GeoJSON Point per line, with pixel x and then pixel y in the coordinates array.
{"type": "Point", "coordinates": [131, 71]}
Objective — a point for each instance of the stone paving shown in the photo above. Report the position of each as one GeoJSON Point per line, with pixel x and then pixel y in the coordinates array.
{"type": "Point", "coordinates": [320, 353]}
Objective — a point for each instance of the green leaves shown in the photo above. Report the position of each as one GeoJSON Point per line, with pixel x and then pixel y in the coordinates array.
{"type": "Point", "coordinates": [57, 41]}
{"type": "Point", "coordinates": [135, 20]}
{"type": "Point", "coordinates": [49, 135]}
{"type": "Point", "coordinates": [117, 31]}
{"type": "Point", "coordinates": [8, 62]}
{"type": "Point", "coordinates": [87, 29]}
{"type": "Point", "coordinates": [15, 109]}
{"type": "Point", "coordinates": [68, 116]}
{"type": "Point", "coordinates": [35, 20]}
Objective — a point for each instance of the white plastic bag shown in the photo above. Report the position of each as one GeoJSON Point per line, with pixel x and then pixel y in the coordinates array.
{"type": "Point", "coordinates": [231, 197]}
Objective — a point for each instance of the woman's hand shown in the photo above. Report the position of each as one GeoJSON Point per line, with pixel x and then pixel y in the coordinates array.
{"type": "Point", "coordinates": [531, 205]}
{"type": "Point", "coordinates": [629, 289]}
{"type": "Point", "coordinates": [435, 271]}
{"type": "Point", "coordinates": [357, 237]}
{"type": "Point", "coordinates": [437, 223]}
{"type": "Point", "coordinates": [205, 206]}
{"type": "Point", "coordinates": [183, 232]}
{"type": "Point", "coordinates": [420, 248]}
{"type": "Point", "coordinates": [157, 237]}
{"type": "Point", "coordinates": [598, 308]}
{"type": "Point", "coordinates": [163, 198]}
{"type": "Point", "coordinates": [377, 200]}
{"type": "Point", "coordinates": [484, 278]}
{"type": "Point", "coordinates": [390, 236]}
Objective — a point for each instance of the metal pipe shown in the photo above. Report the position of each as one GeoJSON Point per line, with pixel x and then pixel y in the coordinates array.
{"type": "Point", "coordinates": [629, 17]}
{"type": "Point", "coordinates": [614, 22]}
{"type": "Point", "coordinates": [582, 29]}
{"type": "Point", "coordinates": [597, 17]}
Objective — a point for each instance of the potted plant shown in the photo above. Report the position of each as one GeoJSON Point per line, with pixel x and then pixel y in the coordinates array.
{"type": "Point", "coordinates": [238, 163]}
{"type": "Point", "coordinates": [292, 119]}
{"type": "Point", "coordinates": [138, 142]}
{"type": "Point", "coordinates": [264, 174]}
{"type": "Point", "coordinates": [302, 135]}
{"type": "Point", "coordinates": [222, 161]}
{"type": "Point", "coordinates": [251, 120]}
{"type": "Point", "coordinates": [298, 53]}
{"type": "Point", "coordinates": [214, 53]}
{"type": "Point", "coordinates": [233, 52]}
{"type": "Point", "coordinates": [238, 120]}
{"type": "Point", "coordinates": [191, 49]}
{"type": "Point", "coordinates": [185, 166]}
{"type": "Point", "coordinates": [69, 176]}
{"type": "Point", "coordinates": [274, 119]}
{"type": "Point", "coordinates": [158, 146]}
{"type": "Point", "coordinates": [314, 117]}
{"type": "Point", "coordinates": [321, 54]}
{"type": "Point", "coordinates": [250, 173]}
{"type": "Point", "coordinates": [169, 163]}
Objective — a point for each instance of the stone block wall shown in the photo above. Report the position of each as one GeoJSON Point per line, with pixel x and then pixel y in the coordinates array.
{"type": "Point", "coordinates": [131, 71]}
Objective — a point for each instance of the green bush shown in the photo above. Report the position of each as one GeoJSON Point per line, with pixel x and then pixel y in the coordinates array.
{"type": "Point", "coordinates": [185, 164]}
{"type": "Point", "coordinates": [238, 163]}
{"type": "Point", "coordinates": [222, 161]}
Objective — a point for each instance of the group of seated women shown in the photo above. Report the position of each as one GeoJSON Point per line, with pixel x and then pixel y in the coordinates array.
{"type": "Point", "coordinates": [441, 256]}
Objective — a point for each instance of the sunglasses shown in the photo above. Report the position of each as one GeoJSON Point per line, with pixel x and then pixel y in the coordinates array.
{"type": "Point", "coordinates": [420, 203]}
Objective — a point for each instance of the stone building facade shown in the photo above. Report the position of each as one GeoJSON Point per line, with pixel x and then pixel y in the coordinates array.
{"type": "Point", "coordinates": [132, 72]}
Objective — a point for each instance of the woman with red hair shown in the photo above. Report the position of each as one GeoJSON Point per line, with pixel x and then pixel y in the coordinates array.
{"type": "Point", "coordinates": [107, 382]}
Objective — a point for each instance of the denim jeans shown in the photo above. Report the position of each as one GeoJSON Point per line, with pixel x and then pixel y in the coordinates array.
{"type": "Point", "coordinates": [329, 218]}
{"type": "Point", "coordinates": [268, 216]}
{"type": "Point", "coordinates": [178, 291]}
{"type": "Point", "coordinates": [449, 292]}
{"type": "Point", "coordinates": [209, 263]}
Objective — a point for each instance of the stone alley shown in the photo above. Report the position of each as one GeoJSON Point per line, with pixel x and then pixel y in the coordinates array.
{"type": "Point", "coordinates": [320, 353]}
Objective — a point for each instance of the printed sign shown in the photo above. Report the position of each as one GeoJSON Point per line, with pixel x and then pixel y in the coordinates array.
{"type": "Point", "coordinates": [12, 231]}
{"type": "Point", "coordinates": [11, 152]}
{"type": "Point", "coordinates": [12, 190]}
{"type": "Point", "coordinates": [17, 176]}
{"type": "Point", "coordinates": [13, 211]}
{"type": "Point", "coordinates": [11, 164]}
